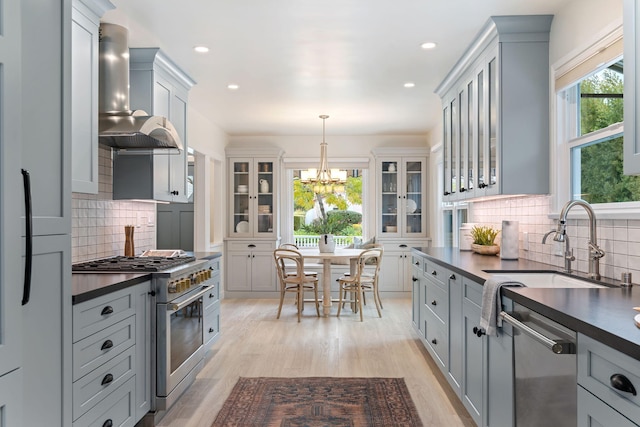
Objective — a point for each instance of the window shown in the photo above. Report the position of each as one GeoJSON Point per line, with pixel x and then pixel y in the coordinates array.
{"type": "Point", "coordinates": [338, 212]}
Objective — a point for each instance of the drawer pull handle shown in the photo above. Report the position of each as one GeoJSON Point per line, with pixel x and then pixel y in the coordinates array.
{"type": "Point", "coordinates": [107, 310]}
{"type": "Point", "coordinates": [106, 345]}
{"type": "Point", "coordinates": [452, 277]}
{"type": "Point", "coordinates": [251, 245]}
{"type": "Point", "coordinates": [434, 302]}
{"type": "Point", "coordinates": [402, 246]}
{"type": "Point", "coordinates": [108, 423]}
{"type": "Point", "coordinates": [434, 273]}
{"type": "Point", "coordinates": [622, 383]}
{"type": "Point", "coordinates": [107, 379]}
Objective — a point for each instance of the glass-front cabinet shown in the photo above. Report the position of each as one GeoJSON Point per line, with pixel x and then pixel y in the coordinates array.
{"type": "Point", "coordinates": [253, 193]}
{"type": "Point", "coordinates": [402, 198]}
{"type": "Point", "coordinates": [495, 112]}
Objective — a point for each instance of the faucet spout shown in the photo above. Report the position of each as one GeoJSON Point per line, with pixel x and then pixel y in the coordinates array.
{"type": "Point", "coordinates": [595, 253]}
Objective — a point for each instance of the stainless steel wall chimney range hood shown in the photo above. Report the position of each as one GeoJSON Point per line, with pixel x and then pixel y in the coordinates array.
{"type": "Point", "coordinates": [118, 126]}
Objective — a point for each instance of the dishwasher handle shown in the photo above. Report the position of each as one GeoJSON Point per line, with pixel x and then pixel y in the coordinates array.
{"type": "Point", "coordinates": [556, 346]}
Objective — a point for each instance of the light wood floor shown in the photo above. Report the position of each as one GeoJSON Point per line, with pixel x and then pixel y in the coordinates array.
{"type": "Point", "coordinates": [254, 343]}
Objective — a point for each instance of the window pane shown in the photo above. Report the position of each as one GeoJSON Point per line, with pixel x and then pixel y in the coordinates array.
{"type": "Point", "coordinates": [322, 210]}
{"type": "Point", "coordinates": [601, 174]}
{"type": "Point", "coordinates": [601, 99]}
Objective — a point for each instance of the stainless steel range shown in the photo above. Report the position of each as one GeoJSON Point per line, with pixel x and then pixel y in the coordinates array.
{"type": "Point", "coordinates": [178, 287]}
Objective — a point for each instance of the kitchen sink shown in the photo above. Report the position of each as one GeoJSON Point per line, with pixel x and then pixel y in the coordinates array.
{"type": "Point", "coordinates": [547, 279]}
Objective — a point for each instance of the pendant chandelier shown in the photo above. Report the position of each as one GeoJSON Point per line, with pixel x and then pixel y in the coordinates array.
{"type": "Point", "coordinates": [323, 179]}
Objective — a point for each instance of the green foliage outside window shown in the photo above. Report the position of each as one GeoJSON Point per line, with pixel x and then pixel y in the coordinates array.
{"type": "Point", "coordinates": [602, 179]}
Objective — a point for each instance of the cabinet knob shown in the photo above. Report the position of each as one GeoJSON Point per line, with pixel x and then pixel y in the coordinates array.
{"type": "Point", "coordinates": [478, 331]}
{"type": "Point", "coordinates": [622, 383]}
{"type": "Point", "coordinates": [415, 279]}
{"type": "Point", "coordinates": [107, 310]}
{"type": "Point", "coordinates": [210, 330]}
{"type": "Point", "coordinates": [211, 296]}
{"type": "Point", "coordinates": [446, 193]}
{"type": "Point", "coordinates": [462, 190]}
{"type": "Point", "coordinates": [108, 423]}
{"type": "Point", "coordinates": [107, 379]}
{"type": "Point", "coordinates": [434, 341]}
{"type": "Point", "coordinates": [482, 185]}
{"type": "Point", "coordinates": [106, 345]}
{"type": "Point", "coordinates": [152, 293]}
{"type": "Point", "coordinates": [175, 192]}
{"type": "Point", "coordinates": [434, 302]}
{"type": "Point", "coordinates": [452, 277]}
{"type": "Point", "coordinates": [417, 263]}
{"type": "Point", "coordinates": [434, 273]}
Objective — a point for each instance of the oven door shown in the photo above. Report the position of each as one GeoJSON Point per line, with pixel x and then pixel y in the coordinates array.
{"type": "Point", "coordinates": [179, 339]}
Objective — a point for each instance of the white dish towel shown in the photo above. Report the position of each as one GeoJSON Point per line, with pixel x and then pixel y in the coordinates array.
{"type": "Point", "coordinates": [491, 303]}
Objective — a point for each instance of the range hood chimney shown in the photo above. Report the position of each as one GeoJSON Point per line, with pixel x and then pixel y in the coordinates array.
{"type": "Point", "coordinates": [118, 126]}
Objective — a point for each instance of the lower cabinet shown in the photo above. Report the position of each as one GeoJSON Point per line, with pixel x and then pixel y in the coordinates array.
{"type": "Point", "coordinates": [11, 398]}
{"type": "Point", "coordinates": [446, 311]}
{"type": "Point", "coordinates": [250, 265]}
{"type": "Point", "coordinates": [211, 310]}
{"type": "Point", "coordinates": [396, 268]}
{"type": "Point", "coordinates": [112, 358]}
{"type": "Point", "coordinates": [608, 382]}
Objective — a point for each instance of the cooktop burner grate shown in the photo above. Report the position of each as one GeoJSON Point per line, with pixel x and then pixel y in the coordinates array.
{"type": "Point", "coordinates": [133, 264]}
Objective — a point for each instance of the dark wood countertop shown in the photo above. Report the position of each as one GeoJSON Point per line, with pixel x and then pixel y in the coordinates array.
{"type": "Point", "coordinates": [605, 314]}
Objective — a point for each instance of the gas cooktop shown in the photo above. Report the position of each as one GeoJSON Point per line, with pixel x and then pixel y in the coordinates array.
{"type": "Point", "coordinates": [132, 264]}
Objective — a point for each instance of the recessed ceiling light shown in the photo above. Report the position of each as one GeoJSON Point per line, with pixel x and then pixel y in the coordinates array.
{"type": "Point", "coordinates": [201, 49]}
{"type": "Point", "coordinates": [428, 45]}
{"type": "Point", "coordinates": [409, 84]}
{"type": "Point", "coordinates": [233, 86]}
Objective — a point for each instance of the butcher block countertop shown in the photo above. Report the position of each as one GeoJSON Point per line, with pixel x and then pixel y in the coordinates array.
{"type": "Point", "coordinates": [605, 314]}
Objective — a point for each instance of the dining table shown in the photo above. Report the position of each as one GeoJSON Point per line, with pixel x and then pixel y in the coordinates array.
{"type": "Point", "coordinates": [326, 258]}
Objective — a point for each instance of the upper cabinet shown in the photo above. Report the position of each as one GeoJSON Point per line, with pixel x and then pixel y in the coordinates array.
{"type": "Point", "coordinates": [253, 193]}
{"type": "Point", "coordinates": [495, 111]}
{"type": "Point", "coordinates": [158, 87]}
{"type": "Point", "coordinates": [85, 21]}
{"type": "Point", "coordinates": [401, 193]}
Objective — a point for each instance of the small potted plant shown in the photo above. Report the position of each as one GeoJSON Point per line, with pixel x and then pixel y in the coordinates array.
{"type": "Point", "coordinates": [484, 240]}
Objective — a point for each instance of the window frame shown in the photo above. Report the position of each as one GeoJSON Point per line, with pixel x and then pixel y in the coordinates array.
{"type": "Point", "coordinates": [565, 121]}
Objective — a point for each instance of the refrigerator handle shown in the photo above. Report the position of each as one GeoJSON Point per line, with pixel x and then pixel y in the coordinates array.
{"type": "Point", "coordinates": [26, 179]}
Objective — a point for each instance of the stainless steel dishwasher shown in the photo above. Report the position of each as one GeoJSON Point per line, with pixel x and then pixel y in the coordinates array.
{"type": "Point", "coordinates": [544, 355]}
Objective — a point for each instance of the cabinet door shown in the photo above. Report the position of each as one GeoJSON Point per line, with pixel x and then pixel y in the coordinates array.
{"type": "Point", "coordinates": [239, 271]}
{"type": "Point", "coordinates": [446, 138]}
{"type": "Point", "coordinates": [84, 104]}
{"type": "Point", "coordinates": [481, 142]}
{"type": "Point", "coordinates": [162, 158]}
{"type": "Point", "coordinates": [11, 192]}
{"type": "Point", "coordinates": [265, 197]}
{"type": "Point", "coordinates": [415, 297]}
{"type": "Point", "coordinates": [470, 131]}
{"type": "Point", "coordinates": [493, 127]}
{"type": "Point", "coordinates": [391, 272]}
{"type": "Point", "coordinates": [241, 218]}
{"type": "Point", "coordinates": [454, 371]}
{"type": "Point", "coordinates": [178, 162]}
{"type": "Point", "coordinates": [143, 349]}
{"type": "Point", "coordinates": [389, 197]}
{"type": "Point", "coordinates": [414, 198]}
{"type": "Point", "coordinates": [593, 412]}
{"type": "Point", "coordinates": [474, 359]}
{"type": "Point", "coordinates": [262, 272]}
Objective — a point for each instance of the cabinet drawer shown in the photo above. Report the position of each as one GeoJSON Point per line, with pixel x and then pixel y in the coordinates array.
{"type": "Point", "coordinates": [97, 349]}
{"type": "Point", "coordinates": [251, 246]}
{"type": "Point", "coordinates": [215, 266]}
{"type": "Point", "coordinates": [118, 407]}
{"type": "Point", "coordinates": [94, 315]}
{"type": "Point", "coordinates": [211, 327]}
{"type": "Point", "coordinates": [594, 412]}
{"type": "Point", "coordinates": [435, 273]}
{"type": "Point", "coordinates": [437, 301]}
{"type": "Point", "coordinates": [597, 363]}
{"type": "Point", "coordinates": [436, 338]}
{"type": "Point", "coordinates": [417, 262]}
{"type": "Point", "coordinates": [89, 390]}
{"type": "Point", "coordinates": [211, 297]}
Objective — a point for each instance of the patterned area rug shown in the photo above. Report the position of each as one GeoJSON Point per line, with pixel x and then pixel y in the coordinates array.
{"type": "Point", "coordinates": [319, 401]}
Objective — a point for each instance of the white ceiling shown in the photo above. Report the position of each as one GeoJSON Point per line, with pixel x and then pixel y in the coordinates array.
{"type": "Point", "coordinates": [297, 59]}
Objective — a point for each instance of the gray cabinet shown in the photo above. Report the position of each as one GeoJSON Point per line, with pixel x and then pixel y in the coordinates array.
{"type": "Point", "coordinates": [601, 372]}
{"type": "Point", "coordinates": [45, 151]}
{"type": "Point", "coordinates": [158, 87]}
{"type": "Point", "coordinates": [85, 21]}
{"type": "Point", "coordinates": [474, 352]}
{"type": "Point", "coordinates": [211, 308]}
{"type": "Point", "coordinates": [631, 18]}
{"type": "Point", "coordinates": [495, 104]}
{"type": "Point", "coordinates": [250, 265]}
{"type": "Point", "coordinates": [112, 357]}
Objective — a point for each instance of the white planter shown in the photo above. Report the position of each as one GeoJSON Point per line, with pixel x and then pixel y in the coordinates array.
{"type": "Point", "coordinates": [326, 243]}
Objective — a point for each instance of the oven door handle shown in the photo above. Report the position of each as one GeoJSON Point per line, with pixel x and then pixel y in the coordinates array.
{"type": "Point", "coordinates": [556, 346]}
{"type": "Point", "coordinates": [180, 305]}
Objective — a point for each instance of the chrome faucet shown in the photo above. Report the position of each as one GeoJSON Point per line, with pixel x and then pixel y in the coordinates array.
{"type": "Point", "coordinates": [568, 252]}
{"type": "Point", "coordinates": [595, 253]}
